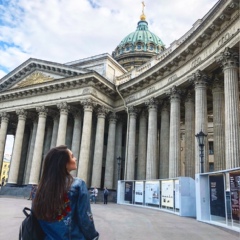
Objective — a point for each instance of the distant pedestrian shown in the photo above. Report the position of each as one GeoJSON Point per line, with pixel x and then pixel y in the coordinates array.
{"type": "Point", "coordinates": [94, 194]}
{"type": "Point", "coordinates": [3, 180]}
{"type": "Point", "coordinates": [105, 195]}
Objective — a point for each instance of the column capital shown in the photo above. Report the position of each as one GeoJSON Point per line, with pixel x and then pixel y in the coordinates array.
{"type": "Point", "coordinates": [113, 117]}
{"type": "Point", "coordinates": [189, 98]}
{"type": "Point", "coordinates": [152, 103]}
{"type": "Point", "coordinates": [217, 85]}
{"type": "Point", "coordinates": [22, 114]}
{"type": "Point", "coordinates": [63, 107]}
{"type": "Point", "coordinates": [143, 113]}
{"type": "Point", "coordinates": [199, 79]}
{"type": "Point", "coordinates": [5, 116]}
{"type": "Point", "coordinates": [228, 58]}
{"type": "Point", "coordinates": [133, 111]}
{"type": "Point", "coordinates": [174, 93]}
{"type": "Point", "coordinates": [42, 111]}
{"type": "Point", "coordinates": [102, 111]}
{"type": "Point", "coordinates": [88, 104]}
{"type": "Point", "coordinates": [165, 105]}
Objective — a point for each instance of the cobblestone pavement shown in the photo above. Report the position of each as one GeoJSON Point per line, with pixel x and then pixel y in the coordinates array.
{"type": "Point", "coordinates": [121, 222]}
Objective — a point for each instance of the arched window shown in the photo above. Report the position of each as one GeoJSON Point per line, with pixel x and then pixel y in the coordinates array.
{"type": "Point", "coordinates": [151, 47]}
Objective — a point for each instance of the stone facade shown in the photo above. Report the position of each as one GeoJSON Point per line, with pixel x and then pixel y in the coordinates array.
{"type": "Point", "coordinates": [101, 112]}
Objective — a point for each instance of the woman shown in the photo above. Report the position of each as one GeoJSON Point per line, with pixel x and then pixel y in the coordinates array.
{"type": "Point", "coordinates": [62, 203]}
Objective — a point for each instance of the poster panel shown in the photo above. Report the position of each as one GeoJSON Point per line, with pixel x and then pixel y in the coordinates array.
{"type": "Point", "coordinates": [235, 194]}
{"type": "Point", "coordinates": [177, 194]}
{"type": "Point", "coordinates": [139, 192]}
{"type": "Point", "coordinates": [217, 199]}
{"type": "Point", "coordinates": [152, 192]}
{"type": "Point", "coordinates": [128, 191]}
{"type": "Point", "coordinates": [167, 193]}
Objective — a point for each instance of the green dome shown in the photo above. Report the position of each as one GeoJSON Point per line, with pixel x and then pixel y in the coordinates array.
{"type": "Point", "coordinates": [141, 44]}
{"type": "Point", "coordinates": [140, 40]}
{"type": "Point", "coordinates": [142, 35]}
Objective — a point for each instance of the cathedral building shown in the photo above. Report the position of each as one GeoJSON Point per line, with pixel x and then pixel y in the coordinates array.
{"type": "Point", "coordinates": [133, 114]}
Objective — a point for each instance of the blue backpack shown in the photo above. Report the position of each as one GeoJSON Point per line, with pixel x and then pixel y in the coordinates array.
{"type": "Point", "coordinates": [30, 228]}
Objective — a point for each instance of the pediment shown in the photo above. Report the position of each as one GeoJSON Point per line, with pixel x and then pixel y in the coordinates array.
{"type": "Point", "coordinates": [34, 78]}
{"type": "Point", "coordinates": [35, 71]}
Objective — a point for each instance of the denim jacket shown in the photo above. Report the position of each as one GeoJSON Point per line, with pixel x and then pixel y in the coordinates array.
{"type": "Point", "coordinates": [78, 224]}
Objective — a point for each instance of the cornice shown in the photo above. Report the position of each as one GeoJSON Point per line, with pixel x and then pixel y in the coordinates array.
{"type": "Point", "coordinates": [32, 65]}
{"type": "Point", "coordinates": [84, 80]}
{"type": "Point", "coordinates": [175, 61]}
{"type": "Point", "coordinates": [188, 50]}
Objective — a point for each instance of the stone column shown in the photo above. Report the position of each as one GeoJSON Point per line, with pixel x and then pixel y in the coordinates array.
{"type": "Point", "coordinates": [229, 61]}
{"type": "Point", "coordinates": [62, 128]}
{"type": "Point", "coordinates": [109, 167]}
{"type": "Point", "coordinates": [3, 134]}
{"type": "Point", "coordinates": [174, 142]}
{"type": "Point", "coordinates": [69, 133]}
{"type": "Point", "coordinates": [118, 150]}
{"type": "Point", "coordinates": [84, 157]}
{"type": "Point", "coordinates": [189, 136]}
{"type": "Point", "coordinates": [218, 125]}
{"type": "Point", "coordinates": [38, 147]}
{"type": "Point", "coordinates": [164, 141]}
{"type": "Point", "coordinates": [55, 129]}
{"type": "Point", "coordinates": [151, 164]}
{"type": "Point", "coordinates": [142, 146]}
{"type": "Point", "coordinates": [131, 144]}
{"type": "Point", "coordinates": [77, 130]}
{"type": "Point", "coordinates": [23, 159]}
{"type": "Point", "coordinates": [98, 150]}
{"type": "Point", "coordinates": [17, 149]}
{"type": "Point", "coordinates": [31, 149]}
{"type": "Point", "coordinates": [201, 122]}
{"type": "Point", "coordinates": [48, 137]}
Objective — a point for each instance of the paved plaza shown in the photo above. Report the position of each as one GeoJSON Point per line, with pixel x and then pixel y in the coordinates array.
{"type": "Point", "coordinates": [120, 222]}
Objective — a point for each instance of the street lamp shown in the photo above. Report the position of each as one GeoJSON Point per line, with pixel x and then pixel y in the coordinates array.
{"type": "Point", "coordinates": [200, 138]}
{"type": "Point", "coordinates": [119, 161]}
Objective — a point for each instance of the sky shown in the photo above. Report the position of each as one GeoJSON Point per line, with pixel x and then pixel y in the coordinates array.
{"type": "Point", "coordinates": [67, 30]}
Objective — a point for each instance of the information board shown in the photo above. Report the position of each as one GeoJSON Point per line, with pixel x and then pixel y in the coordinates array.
{"type": "Point", "coordinates": [235, 194]}
{"type": "Point", "coordinates": [139, 192]}
{"type": "Point", "coordinates": [128, 191]}
{"type": "Point", "coordinates": [152, 192]}
{"type": "Point", "coordinates": [167, 193]}
{"type": "Point", "coordinates": [217, 199]}
{"type": "Point", "coordinates": [177, 194]}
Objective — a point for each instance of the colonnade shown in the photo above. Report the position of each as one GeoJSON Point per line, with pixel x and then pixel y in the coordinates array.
{"type": "Point", "coordinates": [150, 145]}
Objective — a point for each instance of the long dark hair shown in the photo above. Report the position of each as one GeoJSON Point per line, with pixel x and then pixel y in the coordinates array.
{"type": "Point", "coordinates": [54, 184]}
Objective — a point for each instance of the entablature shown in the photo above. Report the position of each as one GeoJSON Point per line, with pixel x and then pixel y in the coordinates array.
{"type": "Point", "coordinates": [89, 79]}
{"type": "Point", "coordinates": [32, 65]}
{"type": "Point", "coordinates": [206, 32]}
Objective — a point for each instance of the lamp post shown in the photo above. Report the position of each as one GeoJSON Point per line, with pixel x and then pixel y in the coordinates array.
{"type": "Point", "coordinates": [200, 138]}
{"type": "Point", "coordinates": [119, 161]}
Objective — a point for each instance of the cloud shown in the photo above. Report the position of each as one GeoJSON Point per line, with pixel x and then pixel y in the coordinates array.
{"type": "Point", "coordinates": [67, 30]}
